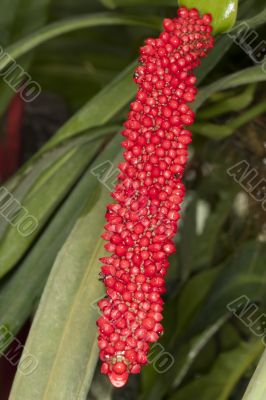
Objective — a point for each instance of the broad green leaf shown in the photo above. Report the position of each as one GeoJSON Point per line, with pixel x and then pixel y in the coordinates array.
{"type": "Point", "coordinates": [23, 180]}
{"type": "Point", "coordinates": [67, 314]}
{"type": "Point", "coordinates": [256, 389]}
{"type": "Point", "coordinates": [224, 12]}
{"type": "Point", "coordinates": [86, 21]}
{"type": "Point", "coordinates": [226, 372]}
{"type": "Point", "coordinates": [42, 200]}
{"type": "Point", "coordinates": [21, 184]}
{"type": "Point", "coordinates": [21, 291]}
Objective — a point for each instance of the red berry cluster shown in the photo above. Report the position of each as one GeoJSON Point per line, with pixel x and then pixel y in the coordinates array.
{"type": "Point", "coordinates": [143, 221]}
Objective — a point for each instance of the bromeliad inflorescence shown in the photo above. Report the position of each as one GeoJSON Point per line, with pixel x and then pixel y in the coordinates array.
{"type": "Point", "coordinates": [143, 221]}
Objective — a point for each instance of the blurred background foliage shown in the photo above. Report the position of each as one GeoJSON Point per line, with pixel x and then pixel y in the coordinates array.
{"type": "Point", "coordinates": [51, 276]}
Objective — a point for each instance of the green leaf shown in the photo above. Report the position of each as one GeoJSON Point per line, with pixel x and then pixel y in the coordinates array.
{"type": "Point", "coordinates": [66, 363]}
{"type": "Point", "coordinates": [41, 201]}
{"type": "Point", "coordinates": [19, 17]}
{"type": "Point", "coordinates": [224, 12]}
{"type": "Point", "coordinates": [205, 244]}
{"type": "Point", "coordinates": [20, 183]}
{"type": "Point", "coordinates": [188, 238]}
{"type": "Point", "coordinates": [222, 45]}
{"type": "Point", "coordinates": [53, 30]}
{"type": "Point", "coordinates": [242, 273]}
{"type": "Point", "coordinates": [246, 76]}
{"type": "Point", "coordinates": [193, 296]}
{"type": "Point", "coordinates": [217, 132]}
{"type": "Point", "coordinates": [22, 290]}
{"type": "Point", "coordinates": [29, 17]}
{"type": "Point", "coordinates": [226, 372]}
{"type": "Point", "coordinates": [256, 389]}
{"type": "Point", "coordinates": [189, 352]}
{"type": "Point", "coordinates": [100, 109]}
{"type": "Point", "coordinates": [230, 104]}
{"type": "Point", "coordinates": [257, 20]}
{"type": "Point", "coordinates": [86, 21]}
{"type": "Point", "coordinates": [179, 312]}
{"type": "Point", "coordinates": [96, 112]}
{"type": "Point", "coordinates": [249, 115]}
{"type": "Point", "coordinates": [197, 250]}
{"type": "Point", "coordinates": [228, 337]}
{"type": "Point", "coordinates": [110, 100]}
{"type": "Point", "coordinates": [212, 131]}
{"type": "Point", "coordinates": [133, 3]}
{"type": "Point", "coordinates": [117, 94]}
{"type": "Point", "coordinates": [129, 3]}
{"type": "Point", "coordinates": [7, 18]}
{"type": "Point", "coordinates": [67, 314]}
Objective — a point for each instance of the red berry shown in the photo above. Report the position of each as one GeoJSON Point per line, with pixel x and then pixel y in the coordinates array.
{"type": "Point", "coordinates": [168, 25]}
{"type": "Point", "coordinates": [119, 368]}
{"type": "Point", "coordinates": [148, 323]}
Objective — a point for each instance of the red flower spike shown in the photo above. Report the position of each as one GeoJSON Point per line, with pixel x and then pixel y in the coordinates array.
{"type": "Point", "coordinates": [143, 221]}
